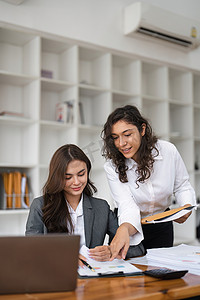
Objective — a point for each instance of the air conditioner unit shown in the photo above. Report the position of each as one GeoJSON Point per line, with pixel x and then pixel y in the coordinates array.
{"type": "Point", "coordinates": [147, 21]}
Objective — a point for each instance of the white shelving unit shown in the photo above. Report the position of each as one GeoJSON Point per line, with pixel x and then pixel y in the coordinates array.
{"type": "Point", "coordinates": [97, 80]}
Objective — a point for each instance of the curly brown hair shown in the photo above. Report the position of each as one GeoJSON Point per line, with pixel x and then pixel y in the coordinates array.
{"type": "Point", "coordinates": [56, 216]}
{"type": "Point", "coordinates": [131, 115]}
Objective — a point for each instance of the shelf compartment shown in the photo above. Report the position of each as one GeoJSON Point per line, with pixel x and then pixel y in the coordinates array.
{"type": "Point", "coordinates": [92, 102]}
{"type": "Point", "coordinates": [18, 142]}
{"type": "Point", "coordinates": [180, 85]}
{"type": "Point", "coordinates": [197, 157]}
{"type": "Point", "coordinates": [53, 137]}
{"type": "Point", "coordinates": [19, 52]}
{"type": "Point", "coordinates": [59, 58]}
{"type": "Point", "coordinates": [122, 99]}
{"type": "Point", "coordinates": [94, 67]}
{"type": "Point", "coordinates": [98, 177]}
{"type": "Point", "coordinates": [91, 143]}
{"type": "Point", "coordinates": [157, 112]}
{"type": "Point", "coordinates": [53, 94]}
{"type": "Point", "coordinates": [21, 98]}
{"type": "Point", "coordinates": [13, 223]}
{"type": "Point", "coordinates": [196, 89]}
{"type": "Point", "coordinates": [126, 74]}
{"type": "Point", "coordinates": [154, 80]}
{"type": "Point", "coordinates": [186, 150]}
{"type": "Point", "coordinates": [181, 120]}
{"type": "Point", "coordinates": [197, 122]}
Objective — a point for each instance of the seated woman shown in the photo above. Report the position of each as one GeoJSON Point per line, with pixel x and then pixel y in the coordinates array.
{"type": "Point", "coordinates": [67, 205]}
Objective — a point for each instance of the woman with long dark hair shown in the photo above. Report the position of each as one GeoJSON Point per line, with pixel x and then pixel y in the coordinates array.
{"type": "Point", "coordinates": [68, 206]}
{"type": "Point", "coordinates": [143, 174]}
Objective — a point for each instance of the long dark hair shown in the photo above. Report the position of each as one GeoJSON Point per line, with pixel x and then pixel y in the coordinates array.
{"type": "Point", "coordinates": [131, 115]}
{"type": "Point", "coordinates": [56, 216]}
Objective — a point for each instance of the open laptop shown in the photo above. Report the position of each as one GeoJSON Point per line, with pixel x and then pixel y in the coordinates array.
{"type": "Point", "coordinates": [46, 263]}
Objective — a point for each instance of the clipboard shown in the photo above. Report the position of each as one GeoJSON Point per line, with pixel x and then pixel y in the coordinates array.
{"type": "Point", "coordinates": [115, 268]}
{"type": "Point", "coordinates": [168, 215]}
{"type": "Point", "coordinates": [117, 274]}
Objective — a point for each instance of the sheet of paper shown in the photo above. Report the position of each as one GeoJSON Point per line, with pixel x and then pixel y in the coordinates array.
{"type": "Point", "coordinates": [178, 258]}
{"type": "Point", "coordinates": [107, 267]}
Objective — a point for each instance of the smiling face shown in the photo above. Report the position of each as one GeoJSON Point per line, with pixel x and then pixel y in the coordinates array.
{"type": "Point", "coordinates": [75, 181]}
{"type": "Point", "coordinates": [127, 138]}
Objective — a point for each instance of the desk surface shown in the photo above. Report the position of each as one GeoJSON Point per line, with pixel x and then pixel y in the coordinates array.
{"type": "Point", "coordinates": [123, 288]}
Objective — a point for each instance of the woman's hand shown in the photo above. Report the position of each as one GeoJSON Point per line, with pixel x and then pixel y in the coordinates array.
{"type": "Point", "coordinates": [100, 253]}
{"type": "Point", "coordinates": [183, 218]}
{"type": "Point", "coordinates": [120, 243]}
{"type": "Point", "coordinates": [80, 262]}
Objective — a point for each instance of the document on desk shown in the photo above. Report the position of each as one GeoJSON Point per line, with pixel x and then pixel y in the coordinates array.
{"type": "Point", "coordinates": [179, 257]}
{"type": "Point", "coordinates": [117, 267]}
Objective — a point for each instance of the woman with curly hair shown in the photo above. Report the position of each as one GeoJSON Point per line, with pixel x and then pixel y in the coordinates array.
{"type": "Point", "coordinates": [143, 174]}
{"type": "Point", "coordinates": [67, 205]}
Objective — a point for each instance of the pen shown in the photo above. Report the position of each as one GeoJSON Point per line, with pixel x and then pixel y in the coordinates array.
{"type": "Point", "coordinates": [86, 264]}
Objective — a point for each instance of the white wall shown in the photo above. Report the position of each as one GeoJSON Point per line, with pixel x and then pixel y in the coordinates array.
{"type": "Point", "coordinates": [100, 22]}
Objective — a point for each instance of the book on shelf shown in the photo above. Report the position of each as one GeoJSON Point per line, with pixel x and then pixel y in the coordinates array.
{"type": "Point", "coordinates": [169, 215]}
{"type": "Point", "coordinates": [81, 113]}
{"type": "Point", "coordinates": [11, 114]}
{"type": "Point", "coordinates": [65, 111]}
{"type": "Point", "coordinates": [47, 73]}
{"type": "Point", "coordinates": [14, 190]}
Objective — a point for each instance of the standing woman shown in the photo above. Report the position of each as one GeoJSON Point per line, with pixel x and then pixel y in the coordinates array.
{"type": "Point", "coordinates": [143, 174]}
{"type": "Point", "coordinates": [67, 205]}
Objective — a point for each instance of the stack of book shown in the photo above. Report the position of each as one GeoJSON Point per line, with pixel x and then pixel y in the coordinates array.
{"type": "Point", "coordinates": [14, 191]}
{"type": "Point", "coordinates": [65, 111]}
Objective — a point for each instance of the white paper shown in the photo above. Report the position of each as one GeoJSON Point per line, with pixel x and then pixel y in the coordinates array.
{"type": "Point", "coordinates": [181, 257]}
{"type": "Point", "coordinates": [107, 267]}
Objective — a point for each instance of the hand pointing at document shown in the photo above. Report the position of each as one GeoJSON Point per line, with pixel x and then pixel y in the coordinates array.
{"type": "Point", "coordinates": [120, 243]}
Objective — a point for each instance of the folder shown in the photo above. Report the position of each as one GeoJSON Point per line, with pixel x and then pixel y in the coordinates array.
{"type": "Point", "coordinates": [3, 204]}
{"type": "Point", "coordinates": [168, 215]}
{"type": "Point", "coordinates": [24, 191]}
{"type": "Point", "coordinates": [17, 189]}
{"type": "Point", "coordinates": [8, 187]}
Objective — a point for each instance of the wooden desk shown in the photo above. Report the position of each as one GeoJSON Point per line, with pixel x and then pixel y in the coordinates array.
{"type": "Point", "coordinates": [123, 288]}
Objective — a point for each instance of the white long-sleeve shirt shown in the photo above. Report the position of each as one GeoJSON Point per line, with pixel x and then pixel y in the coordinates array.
{"type": "Point", "coordinates": [169, 177]}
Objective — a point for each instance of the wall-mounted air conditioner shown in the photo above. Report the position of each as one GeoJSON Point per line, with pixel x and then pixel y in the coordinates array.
{"type": "Point", "coordinates": [147, 21]}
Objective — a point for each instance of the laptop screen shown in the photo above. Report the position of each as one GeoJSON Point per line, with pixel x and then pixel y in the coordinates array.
{"type": "Point", "coordinates": [46, 263]}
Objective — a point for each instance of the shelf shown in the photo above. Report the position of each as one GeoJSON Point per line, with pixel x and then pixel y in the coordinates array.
{"type": "Point", "coordinates": [18, 49]}
{"type": "Point", "coordinates": [126, 74]}
{"type": "Point", "coordinates": [196, 89]}
{"type": "Point", "coordinates": [94, 68]}
{"type": "Point", "coordinates": [180, 85]}
{"type": "Point", "coordinates": [15, 79]}
{"type": "Point", "coordinates": [60, 59]}
{"type": "Point", "coordinates": [92, 103]}
{"type": "Point", "coordinates": [55, 85]}
{"type": "Point", "coordinates": [14, 212]}
{"type": "Point", "coordinates": [154, 78]}
{"type": "Point", "coordinates": [178, 116]}
{"type": "Point", "coordinates": [38, 71]}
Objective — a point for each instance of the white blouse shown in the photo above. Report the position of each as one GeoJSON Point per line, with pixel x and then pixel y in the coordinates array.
{"type": "Point", "coordinates": [169, 177]}
{"type": "Point", "coordinates": [78, 220]}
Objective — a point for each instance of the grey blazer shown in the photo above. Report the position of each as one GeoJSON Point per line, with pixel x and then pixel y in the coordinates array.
{"type": "Point", "coordinates": [99, 220]}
